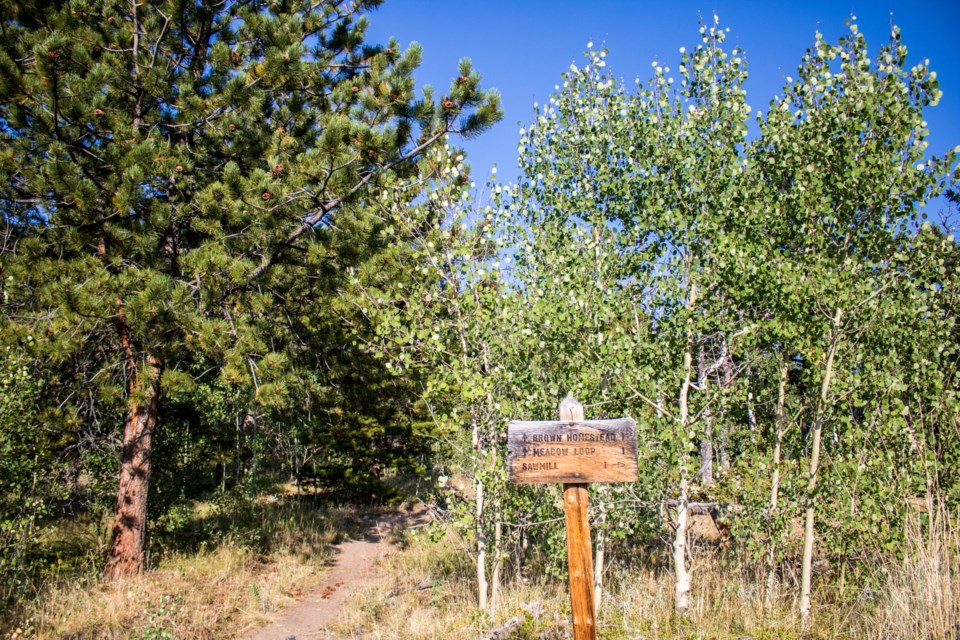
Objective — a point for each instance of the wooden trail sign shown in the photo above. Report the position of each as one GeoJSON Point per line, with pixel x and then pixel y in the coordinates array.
{"type": "Point", "coordinates": [575, 452]}
{"type": "Point", "coordinates": [572, 451]}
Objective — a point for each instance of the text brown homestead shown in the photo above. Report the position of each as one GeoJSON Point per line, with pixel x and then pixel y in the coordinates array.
{"type": "Point", "coordinates": [546, 437]}
{"type": "Point", "coordinates": [591, 437]}
{"type": "Point", "coordinates": [537, 466]}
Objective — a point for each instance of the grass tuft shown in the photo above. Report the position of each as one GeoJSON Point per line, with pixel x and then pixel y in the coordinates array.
{"type": "Point", "coordinates": [922, 595]}
{"type": "Point", "coordinates": [268, 554]}
{"type": "Point", "coordinates": [428, 593]}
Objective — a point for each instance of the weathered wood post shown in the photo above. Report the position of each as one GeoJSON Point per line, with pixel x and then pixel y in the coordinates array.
{"type": "Point", "coordinates": [575, 452]}
{"type": "Point", "coordinates": [576, 500]}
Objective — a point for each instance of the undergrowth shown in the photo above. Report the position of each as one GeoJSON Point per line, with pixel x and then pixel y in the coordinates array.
{"type": "Point", "coordinates": [216, 570]}
{"type": "Point", "coordinates": [429, 594]}
{"type": "Point", "coordinates": [265, 554]}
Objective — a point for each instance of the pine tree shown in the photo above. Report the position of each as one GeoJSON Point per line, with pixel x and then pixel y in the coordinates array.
{"type": "Point", "coordinates": [179, 175]}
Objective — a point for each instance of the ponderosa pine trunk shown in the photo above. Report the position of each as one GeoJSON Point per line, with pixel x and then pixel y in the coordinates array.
{"type": "Point", "coordinates": [128, 536]}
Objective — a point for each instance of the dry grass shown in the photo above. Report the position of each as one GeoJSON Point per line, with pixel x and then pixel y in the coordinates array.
{"type": "Point", "coordinates": [428, 593]}
{"type": "Point", "coordinates": [922, 595]}
{"type": "Point", "coordinates": [216, 592]}
{"type": "Point", "coordinates": [203, 596]}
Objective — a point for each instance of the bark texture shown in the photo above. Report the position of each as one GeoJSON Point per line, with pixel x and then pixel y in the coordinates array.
{"type": "Point", "coordinates": [576, 499]}
{"type": "Point", "coordinates": [128, 535]}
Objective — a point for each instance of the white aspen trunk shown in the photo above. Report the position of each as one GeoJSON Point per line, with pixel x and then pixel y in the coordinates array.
{"type": "Point", "coordinates": [751, 414]}
{"type": "Point", "coordinates": [497, 511]}
{"type": "Point", "coordinates": [482, 586]}
{"type": "Point", "coordinates": [250, 424]}
{"type": "Point", "coordinates": [706, 458]}
{"type": "Point", "coordinates": [497, 544]}
{"type": "Point", "coordinates": [681, 571]}
{"type": "Point", "coordinates": [598, 553]}
{"type": "Point", "coordinates": [724, 434]}
{"type": "Point", "coordinates": [808, 531]}
{"type": "Point", "coordinates": [497, 561]}
{"type": "Point", "coordinates": [481, 539]}
{"type": "Point", "coordinates": [706, 443]}
{"type": "Point", "coordinates": [296, 466]}
{"type": "Point", "coordinates": [680, 568]}
{"type": "Point", "coordinates": [239, 456]}
{"type": "Point", "coordinates": [775, 485]}
{"type": "Point", "coordinates": [520, 556]}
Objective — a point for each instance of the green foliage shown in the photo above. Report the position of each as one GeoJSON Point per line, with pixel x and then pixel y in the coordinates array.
{"type": "Point", "coordinates": [185, 190]}
{"type": "Point", "coordinates": [215, 202]}
{"type": "Point", "coordinates": [28, 475]}
{"type": "Point", "coordinates": [252, 206]}
{"type": "Point", "coordinates": [656, 262]}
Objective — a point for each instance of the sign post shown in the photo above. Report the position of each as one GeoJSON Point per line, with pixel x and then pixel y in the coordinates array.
{"type": "Point", "coordinates": [575, 452]}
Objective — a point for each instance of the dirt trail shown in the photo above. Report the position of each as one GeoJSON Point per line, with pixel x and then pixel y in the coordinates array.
{"type": "Point", "coordinates": [353, 567]}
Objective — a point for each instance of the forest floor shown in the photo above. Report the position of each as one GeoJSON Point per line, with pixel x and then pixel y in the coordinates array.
{"type": "Point", "coordinates": [352, 567]}
{"type": "Point", "coordinates": [223, 570]}
{"type": "Point", "coordinates": [275, 570]}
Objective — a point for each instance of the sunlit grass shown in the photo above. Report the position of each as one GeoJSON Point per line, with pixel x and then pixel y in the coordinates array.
{"type": "Point", "coordinates": [258, 561]}
{"type": "Point", "coordinates": [428, 592]}
{"type": "Point", "coordinates": [271, 553]}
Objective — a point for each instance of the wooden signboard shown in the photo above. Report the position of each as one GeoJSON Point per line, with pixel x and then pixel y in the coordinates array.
{"type": "Point", "coordinates": [584, 451]}
{"type": "Point", "coordinates": [575, 452]}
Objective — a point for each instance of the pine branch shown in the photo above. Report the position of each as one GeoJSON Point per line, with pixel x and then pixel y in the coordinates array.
{"type": "Point", "coordinates": [318, 216]}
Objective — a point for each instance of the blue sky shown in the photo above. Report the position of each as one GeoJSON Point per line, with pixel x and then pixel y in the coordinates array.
{"type": "Point", "coordinates": [522, 47]}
